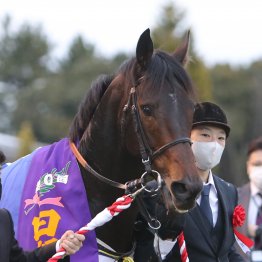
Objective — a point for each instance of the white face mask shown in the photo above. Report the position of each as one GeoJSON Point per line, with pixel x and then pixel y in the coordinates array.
{"type": "Point", "coordinates": [207, 154]}
{"type": "Point", "coordinates": [255, 176]}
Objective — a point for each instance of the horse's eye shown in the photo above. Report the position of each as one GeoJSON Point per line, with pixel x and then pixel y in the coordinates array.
{"type": "Point", "coordinates": [147, 110]}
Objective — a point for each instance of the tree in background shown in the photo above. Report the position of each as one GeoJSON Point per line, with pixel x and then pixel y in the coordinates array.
{"type": "Point", "coordinates": [238, 91]}
{"type": "Point", "coordinates": [168, 32]}
{"type": "Point", "coordinates": [23, 54]}
{"type": "Point", "coordinates": [49, 100]}
{"type": "Point", "coordinates": [27, 139]}
{"type": "Point", "coordinates": [55, 99]}
{"type": "Point", "coordinates": [23, 61]}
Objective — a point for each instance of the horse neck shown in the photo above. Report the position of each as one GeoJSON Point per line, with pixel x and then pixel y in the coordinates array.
{"type": "Point", "coordinates": [103, 147]}
{"type": "Point", "coordinates": [105, 153]}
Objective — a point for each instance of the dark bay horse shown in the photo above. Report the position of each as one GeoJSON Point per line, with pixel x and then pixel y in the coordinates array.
{"type": "Point", "coordinates": [134, 121]}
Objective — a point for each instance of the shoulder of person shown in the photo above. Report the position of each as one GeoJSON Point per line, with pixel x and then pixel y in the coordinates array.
{"type": "Point", "coordinates": [244, 188]}
{"type": "Point", "coordinates": [4, 214]}
{"type": "Point", "coordinates": [221, 180]}
{"type": "Point", "coordinates": [6, 222]}
{"type": "Point", "coordinates": [224, 183]}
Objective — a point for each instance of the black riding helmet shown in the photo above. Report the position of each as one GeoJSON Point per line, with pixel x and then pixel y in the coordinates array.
{"type": "Point", "coordinates": [211, 114]}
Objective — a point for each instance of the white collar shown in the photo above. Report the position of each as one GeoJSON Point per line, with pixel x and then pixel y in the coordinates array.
{"type": "Point", "coordinates": [254, 189]}
{"type": "Point", "coordinates": [211, 181]}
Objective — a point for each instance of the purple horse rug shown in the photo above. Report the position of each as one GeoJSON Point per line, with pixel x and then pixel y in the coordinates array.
{"type": "Point", "coordinates": [45, 194]}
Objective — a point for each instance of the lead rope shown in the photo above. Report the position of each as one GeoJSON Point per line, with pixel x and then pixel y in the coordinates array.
{"type": "Point", "coordinates": [181, 244]}
{"type": "Point", "coordinates": [182, 247]}
{"type": "Point", "coordinates": [100, 219]}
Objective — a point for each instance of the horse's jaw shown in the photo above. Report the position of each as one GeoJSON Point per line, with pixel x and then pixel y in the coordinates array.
{"type": "Point", "coordinates": [181, 211]}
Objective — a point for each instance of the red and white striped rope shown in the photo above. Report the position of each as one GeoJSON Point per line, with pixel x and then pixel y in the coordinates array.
{"type": "Point", "coordinates": [100, 219]}
{"type": "Point", "coordinates": [182, 247]}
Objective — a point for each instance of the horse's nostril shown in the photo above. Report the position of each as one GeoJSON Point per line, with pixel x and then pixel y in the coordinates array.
{"type": "Point", "coordinates": [185, 191]}
{"type": "Point", "coordinates": [178, 188]}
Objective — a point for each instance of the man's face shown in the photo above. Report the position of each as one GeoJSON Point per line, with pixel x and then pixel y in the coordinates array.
{"type": "Point", "coordinates": [207, 133]}
{"type": "Point", "coordinates": [255, 159]}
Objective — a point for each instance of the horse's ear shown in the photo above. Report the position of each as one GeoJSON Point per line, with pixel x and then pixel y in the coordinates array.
{"type": "Point", "coordinates": [181, 53]}
{"type": "Point", "coordinates": [144, 49]}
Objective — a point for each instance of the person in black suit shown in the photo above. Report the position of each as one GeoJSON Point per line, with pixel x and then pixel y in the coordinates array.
{"type": "Point", "coordinates": [207, 228]}
{"type": "Point", "coordinates": [9, 247]}
{"type": "Point", "coordinates": [250, 196]}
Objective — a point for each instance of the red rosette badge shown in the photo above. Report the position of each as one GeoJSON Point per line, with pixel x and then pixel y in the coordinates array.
{"type": "Point", "coordinates": [239, 216]}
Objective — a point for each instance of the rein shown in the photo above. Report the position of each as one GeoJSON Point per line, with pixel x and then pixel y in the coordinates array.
{"type": "Point", "coordinates": [129, 187]}
{"type": "Point", "coordinates": [84, 164]}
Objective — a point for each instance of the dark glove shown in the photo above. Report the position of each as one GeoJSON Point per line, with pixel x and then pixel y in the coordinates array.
{"type": "Point", "coordinates": [172, 222]}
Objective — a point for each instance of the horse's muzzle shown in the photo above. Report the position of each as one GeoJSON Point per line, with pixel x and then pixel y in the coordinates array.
{"type": "Point", "coordinates": [185, 194]}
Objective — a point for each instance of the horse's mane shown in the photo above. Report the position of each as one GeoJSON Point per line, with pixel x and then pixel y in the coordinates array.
{"type": "Point", "coordinates": [88, 106]}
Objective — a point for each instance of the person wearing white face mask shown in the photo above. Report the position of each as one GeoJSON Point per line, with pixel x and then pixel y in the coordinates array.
{"type": "Point", "coordinates": [207, 228]}
{"type": "Point", "coordinates": [250, 195]}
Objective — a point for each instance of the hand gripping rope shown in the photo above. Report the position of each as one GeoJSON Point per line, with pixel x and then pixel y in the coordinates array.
{"type": "Point", "coordinates": [107, 214]}
{"type": "Point", "coordinates": [100, 219]}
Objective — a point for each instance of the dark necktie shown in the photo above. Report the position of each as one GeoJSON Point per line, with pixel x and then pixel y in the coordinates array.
{"type": "Point", "coordinates": [204, 205]}
{"type": "Point", "coordinates": [259, 213]}
{"type": "Point", "coordinates": [258, 240]}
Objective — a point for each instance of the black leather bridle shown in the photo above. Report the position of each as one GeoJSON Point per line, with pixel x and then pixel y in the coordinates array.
{"type": "Point", "coordinates": [147, 154]}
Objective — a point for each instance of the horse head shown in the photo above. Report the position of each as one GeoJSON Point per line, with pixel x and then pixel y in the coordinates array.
{"type": "Point", "coordinates": [164, 101]}
{"type": "Point", "coordinates": [143, 112]}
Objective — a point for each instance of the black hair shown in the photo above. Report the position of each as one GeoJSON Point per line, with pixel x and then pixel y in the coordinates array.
{"type": "Point", "coordinates": [2, 157]}
{"type": "Point", "coordinates": [254, 145]}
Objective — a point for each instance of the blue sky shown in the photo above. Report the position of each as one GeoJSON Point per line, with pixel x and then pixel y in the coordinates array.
{"type": "Point", "coordinates": [224, 30]}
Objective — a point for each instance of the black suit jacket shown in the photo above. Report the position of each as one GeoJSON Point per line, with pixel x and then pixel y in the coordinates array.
{"type": "Point", "coordinates": [199, 245]}
{"type": "Point", "coordinates": [244, 195]}
{"type": "Point", "coordinates": [9, 248]}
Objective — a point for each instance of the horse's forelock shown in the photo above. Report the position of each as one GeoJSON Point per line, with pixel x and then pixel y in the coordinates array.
{"type": "Point", "coordinates": [88, 106]}
{"type": "Point", "coordinates": [164, 66]}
